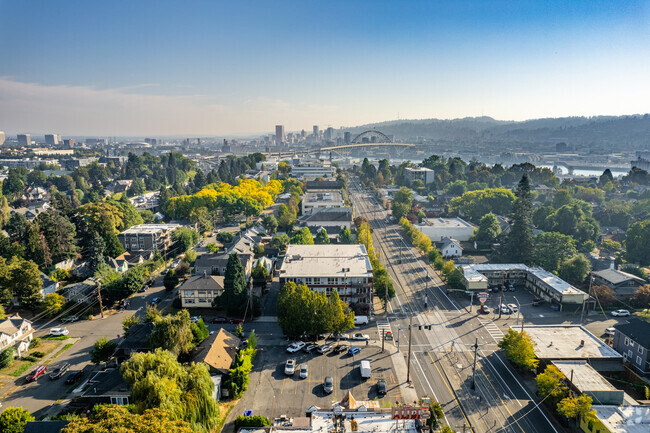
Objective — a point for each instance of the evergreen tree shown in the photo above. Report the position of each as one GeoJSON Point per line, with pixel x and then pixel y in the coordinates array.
{"type": "Point", "coordinates": [199, 180]}
{"type": "Point", "coordinates": [96, 250]}
{"type": "Point", "coordinates": [345, 236]}
{"type": "Point", "coordinates": [322, 238]}
{"type": "Point", "coordinates": [235, 294]}
{"type": "Point", "coordinates": [519, 244]}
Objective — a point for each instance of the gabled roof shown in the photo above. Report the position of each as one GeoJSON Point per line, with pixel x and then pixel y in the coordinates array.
{"type": "Point", "coordinates": [12, 324]}
{"type": "Point", "coordinates": [218, 350]}
{"type": "Point", "coordinates": [636, 329]}
{"type": "Point", "coordinates": [616, 277]}
{"type": "Point", "coordinates": [203, 282]}
{"type": "Point", "coordinates": [448, 241]}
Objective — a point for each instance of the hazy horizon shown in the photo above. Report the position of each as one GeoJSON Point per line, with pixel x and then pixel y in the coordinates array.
{"type": "Point", "coordinates": [164, 68]}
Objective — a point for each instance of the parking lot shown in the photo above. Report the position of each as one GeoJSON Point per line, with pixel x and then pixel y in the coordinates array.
{"type": "Point", "coordinates": [273, 392]}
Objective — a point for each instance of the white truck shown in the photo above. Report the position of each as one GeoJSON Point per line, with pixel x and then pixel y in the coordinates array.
{"type": "Point", "coordinates": [360, 320]}
{"type": "Point", "coordinates": [364, 368]}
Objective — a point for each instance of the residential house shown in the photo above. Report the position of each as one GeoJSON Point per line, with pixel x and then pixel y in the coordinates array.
{"type": "Point", "coordinates": [218, 352]}
{"type": "Point", "coordinates": [215, 264]}
{"type": "Point", "coordinates": [120, 263]}
{"type": "Point", "coordinates": [622, 283]}
{"type": "Point", "coordinates": [122, 185]}
{"type": "Point", "coordinates": [200, 290]}
{"type": "Point", "coordinates": [29, 213]}
{"type": "Point", "coordinates": [83, 292]}
{"type": "Point", "coordinates": [136, 340]}
{"type": "Point", "coordinates": [106, 387]}
{"type": "Point", "coordinates": [49, 285]}
{"type": "Point", "coordinates": [449, 248]}
{"type": "Point", "coordinates": [632, 340]}
{"type": "Point", "coordinates": [16, 331]}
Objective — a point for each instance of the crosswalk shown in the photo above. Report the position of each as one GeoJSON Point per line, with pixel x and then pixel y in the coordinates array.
{"type": "Point", "coordinates": [383, 327]}
{"type": "Point", "coordinates": [492, 329]}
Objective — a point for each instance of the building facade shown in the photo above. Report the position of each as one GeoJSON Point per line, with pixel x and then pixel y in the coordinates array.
{"type": "Point", "coordinates": [24, 140]}
{"type": "Point", "coordinates": [426, 175]}
{"type": "Point", "coordinates": [622, 283]}
{"type": "Point", "coordinates": [200, 290]}
{"type": "Point", "coordinates": [632, 340]}
{"type": "Point", "coordinates": [312, 170]}
{"type": "Point", "coordinates": [148, 237]}
{"type": "Point", "coordinates": [438, 228]}
{"type": "Point", "coordinates": [279, 135]}
{"type": "Point", "coordinates": [321, 200]}
{"type": "Point", "coordinates": [16, 331]}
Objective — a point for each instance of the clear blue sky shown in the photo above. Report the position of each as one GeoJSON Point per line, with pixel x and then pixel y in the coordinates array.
{"type": "Point", "coordinates": [236, 67]}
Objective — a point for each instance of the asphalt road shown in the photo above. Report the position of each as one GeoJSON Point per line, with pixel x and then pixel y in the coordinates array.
{"type": "Point", "coordinates": [442, 358]}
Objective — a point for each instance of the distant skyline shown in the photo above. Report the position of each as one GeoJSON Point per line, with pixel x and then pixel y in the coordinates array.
{"type": "Point", "coordinates": [165, 68]}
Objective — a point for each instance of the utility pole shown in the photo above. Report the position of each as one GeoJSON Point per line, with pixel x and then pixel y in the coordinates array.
{"type": "Point", "coordinates": [591, 279]}
{"type": "Point", "coordinates": [474, 367]}
{"type": "Point", "coordinates": [99, 295]}
{"type": "Point", "coordinates": [503, 277]}
{"type": "Point", "coordinates": [383, 338]}
{"type": "Point", "coordinates": [408, 362]}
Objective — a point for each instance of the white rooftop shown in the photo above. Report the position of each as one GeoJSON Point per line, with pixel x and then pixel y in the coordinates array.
{"type": "Point", "coordinates": [555, 282]}
{"type": "Point", "coordinates": [326, 261]}
{"type": "Point", "coordinates": [323, 196]}
{"type": "Point", "coordinates": [150, 228]}
{"type": "Point", "coordinates": [624, 419]}
{"type": "Point", "coordinates": [585, 377]}
{"type": "Point", "coordinates": [447, 223]}
{"type": "Point", "coordinates": [564, 342]}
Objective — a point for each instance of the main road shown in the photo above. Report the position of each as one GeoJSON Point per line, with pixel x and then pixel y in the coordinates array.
{"type": "Point", "coordinates": [489, 398]}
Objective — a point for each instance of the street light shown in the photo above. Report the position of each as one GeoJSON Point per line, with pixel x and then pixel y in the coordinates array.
{"type": "Point", "coordinates": [518, 310]}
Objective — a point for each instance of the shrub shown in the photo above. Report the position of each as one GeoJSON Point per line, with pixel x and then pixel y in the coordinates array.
{"type": "Point", "coordinates": [30, 358]}
{"type": "Point", "coordinates": [251, 421]}
{"type": "Point", "coordinates": [38, 354]}
{"type": "Point", "coordinates": [225, 237]}
{"type": "Point", "coordinates": [35, 343]}
{"type": "Point", "coordinates": [6, 356]}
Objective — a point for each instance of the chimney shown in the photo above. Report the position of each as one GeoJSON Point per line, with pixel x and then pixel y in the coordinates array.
{"type": "Point", "coordinates": [582, 343]}
{"type": "Point", "coordinates": [205, 274]}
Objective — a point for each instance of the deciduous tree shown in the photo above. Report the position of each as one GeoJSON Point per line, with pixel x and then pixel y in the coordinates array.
{"type": "Point", "coordinates": [519, 349]}
{"type": "Point", "coordinates": [102, 350]}
{"type": "Point", "coordinates": [575, 269]}
{"type": "Point", "coordinates": [14, 420]}
{"type": "Point", "coordinates": [550, 385]}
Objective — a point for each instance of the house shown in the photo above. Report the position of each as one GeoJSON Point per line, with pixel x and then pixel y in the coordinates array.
{"type": "Point", "coordinates": [200, 290]}
{"type": "Point", "coordinates": [632, 340]}
{"type": "Point", "coordinates": [324, 268]}
{"type": "Point", "coordinates": [106, 387]}
{"type": "Point", "coordinates": [49, 285]}
{"type": "Point", "coordinates": [617, 419]}
{"type": "Point", "coordinates": [215, 264]}
{"type": "Point", "coordinates": [218, 352]}
{"type": "Point", "coordinates": [136, 340]}
{"type": "Point", "coordinates": [328, 217]}
{"type": "Point", "coordinates": [16, 331]}
{"type": "Point", "coordinates": [83, 292]}
{"type": "Point", "coordinates": [122, 185]}
{"type": "Point", "coordinates": [316, 200]}
{"type": "Point", "coordinates": [147, 237]}
{"type": "Point", "coordinates": [438, 228]}
{"type": "Point", "coordinates": [120, 263]}
{"type": "Point", "coordinates": [29, 213]}
{"type": "Point", "coordinates": [622, 283]}
{"type": "Point", "coordinates": [449, 248]}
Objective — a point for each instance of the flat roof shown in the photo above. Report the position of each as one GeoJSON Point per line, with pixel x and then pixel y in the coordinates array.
{"type": "Point", "coordinates": [563, 342]}
{"type": "Point", "coordinates": [323, 196]}
{"type": "Point", "coordinates": [555, 282]}
{"type": "Point", "coordinates": [418, 169]}
{"type": "Point", "coordinates": [585, 377]}
{"type": "Point", "coordinates": [326, 261]}
{"type": "Point", "coordinates": [624, 419]}
{"type": "Point", "coordinates": [149, 228]}
{"type": "Point", "coordinates": [446, 223]}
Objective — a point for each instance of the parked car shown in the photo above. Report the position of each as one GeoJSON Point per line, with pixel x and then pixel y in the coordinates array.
{"type": "Point", "coordinates": [328, 385]}
{"type": "Point", "coordinates": [70, 319]}
{"type": "Point", "coordinates": [360, 337]}
{"type": "Point", "coordinates": [340, 348]}
{"type": "Point", "coordinates": [219, 320]}
{"type": "Point", "coordinates": [304, 371]}
{"type": "Point", "coordinates": [74, 377]}
{"type": "Point", "coordinates": [38, 372]}
{"type": "Point", "coordinates": [308, 348]}
{"type": "Point", "coordinates": [381, 387]}
{"type": "Point", "coordinates": [293, 348]}
{"type": "Point", "coordinates": [324, 348]}
{"type": "Point", "coordinates": [195, 319]}
{"type": "Point", "coordinates": [620, 313]}
{"type": "Point", "coordinates": [58, 332]}
{"type": "Point", "coordinates": [505, 309]}
{"type": "Point", "coordinates": [513, 308]}
{"type": "Point", "coordinates": [511, 287]}
{"type": "Point", "coordinates": [236, 321]}
{"type": "Point", "coordinates": [365, 369]}
{"type": "Point", "coordinates": [155, 301]}
{"type": "Point", "coordinates": [354, 350]}
{"type": "Point", "coordinates": [59, 371]}
{"type": "Point", "coordinates": [290, 367]}
{"type": "Point", "coordinates": [143, 289]}
{"type": "Point", "coordinates": [537, 302]}
{"type": "Point", "coordinates": [610, 331]}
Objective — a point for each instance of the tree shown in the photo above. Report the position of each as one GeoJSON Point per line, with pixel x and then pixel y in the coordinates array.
{"type": "Point", "coordinates": [339, 318]}
{"type": "Point", "coordinates": [53, 303]}
{"type": "Point", "coordinates": [576, 407]}
{"type": "Point", "coordinates": [25, 283]}
{"type": "Point", "coordinates": [455, 280]}
{"type": "Point", "coordinates": [118, 418]}
{"type": "Point", "coordinates": [12, 186]}
{"type": "Point", "coordinates": [519, 243]}
{"type": "Point", "coordinates": [14, 420]}
{"type": "Point", "coordinates": [383, 286]}
{"type": "Point", "coordinates": [225, 237]}
{"type": "Point", "coordinates": [184, 238]}
{"type": "Point", "coordinates": [402, 203]}
{"type": "Point", "coordinates": [6, 357]}
{"type": "Point", "coordinates": [173, 333]}
{"type": "Point", "coordinates": [345, 236]}
{"type": "Point", "coordinates": [235, 295]}
{"type": "Point", "coordinates": [302, 237]}
{"type": "Point", "coordinates": [551, 248]}
{"type": "Point", "coordinates": [170, 281]}
{"type": "Point", "coordinates": [129, 321]}
{"type": "Point", "coordinates": [251, 421]}
{"type": "Point", "coordinates": [475, 204]}
{"type": "Point", "coordinates": [641, 297]}
{"type": "Point", "coordinates": [286, 217]}
{"type": "Point", "coordinates": [270, 223]}
{"type": "Point", "coordinates": [60, 234]}
{"type": "Point", "coordinates": [190, 256]}
{"type": "Point", "coordinates": [519, 349]}
{"type": "Point", "coordinates": [638, 243]}
{"type": "Point", "coordinates": [280, 242]}
{"type": "Point", "coordinates": [435, 415]}
{"type": "Point", "coordinates": [199, 331]}
{"type": "Point", "coordinates": [212, 247]}
{"type": "Point", "coordinates": [322, 238]}
{"type": "Point", "coordinates": [102, 350]}
{"type": "Point", "coordinates": [157, 380]}
{"type": "Point", "coordinates": [550, 385]}
{"type": "Point", "coordinates": [604, 295]}
{"type": "Point", "coordinates": [260, 272]}
{"type": "Point", "coordinates": [96, 249]}
{"type": "Point", "coordinates": [575, 269]}
{"type": "Point", "coordinates": [488, 228]}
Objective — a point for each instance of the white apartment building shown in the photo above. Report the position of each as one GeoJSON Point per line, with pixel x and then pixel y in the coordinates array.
{"type": "Point", "coordinates": [321, 200]}
{"type": "Point", "coordinates": [426, 175]}
{"type": "Point", "coordinates": [438, 228]}
{"type": "Point", "coordinates": [312, 170]}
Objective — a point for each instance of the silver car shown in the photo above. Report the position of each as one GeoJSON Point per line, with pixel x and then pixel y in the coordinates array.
{"type": "Point", "coordinates": [328, 385]}
{"type": "Point", "coordinates": [304, 371]}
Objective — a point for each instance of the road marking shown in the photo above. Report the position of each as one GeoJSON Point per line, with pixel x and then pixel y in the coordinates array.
{"type": "Point", "coordinates": [444, 380]}
{"type": "Point", "coordinates": [383, 326]}
{"type": "Point", "coordinates": [492, 329]}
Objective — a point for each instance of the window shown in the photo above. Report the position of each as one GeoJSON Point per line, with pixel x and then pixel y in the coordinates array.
{"type": "Point", "coordinates": [189, 292]}
{"type": "Point", "coordinates": [640, 350]}
{"type": "Point", "coordinates": [629, 354]}
{"type": "Point", "coordinates": [203, 300]}
{"type": "Point", "coordinates": [120, 400]}
{"type": "Point", "coordinates": [590, 426]}
{"type": "Point", "coordinates": [639, 361]}
{"type": "Point", "coordinates": [189, 301]}
{"type": "Point", "coordinates": [627, 341]}
{"type": "Point", "coordinates": [201, 292]}
{"type": "Point", "coordinates": [331, 280]}
{"type": "Point", "coordinates": [141, 243]}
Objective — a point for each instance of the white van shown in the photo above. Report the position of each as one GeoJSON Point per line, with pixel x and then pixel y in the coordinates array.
{"type": "Point", "coordinates": [360, 320]}
{"type": "Point", "coordinates": [364, 368]}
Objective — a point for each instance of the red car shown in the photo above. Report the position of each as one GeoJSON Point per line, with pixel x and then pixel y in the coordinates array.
{"type": "Point", "coordinates": [38, 372]}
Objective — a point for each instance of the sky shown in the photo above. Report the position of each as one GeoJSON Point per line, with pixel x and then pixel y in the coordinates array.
{"type": "Point", "coordinates": [226, 68]}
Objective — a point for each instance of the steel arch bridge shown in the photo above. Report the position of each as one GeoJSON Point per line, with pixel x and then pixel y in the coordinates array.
{"type": "Point", "coordinates": [371, 133]}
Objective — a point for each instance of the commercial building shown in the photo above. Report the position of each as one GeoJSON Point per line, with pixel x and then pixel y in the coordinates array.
{"type": "Point", "coordinates": [320, 200]}
{"type": "Point", "coordinates": [279, 135]}
{"type": "Point", "coordinates": [52, 139]}
{"type": "Point", "coordinates": [541, 283]}
{"type": "Point", "coordinates": [426, 175]}
{"type": "Point", "coordinates": [622, 283]}
{"type": "Point", "coordinates": [617, 419]}
{"type": "Point", "coordinates": [583, 378]}
{"type": "Point", "coordinates": [438, 228]}
{"type": "Point", "coordinates": [572, 343]}
{"type": "Point", "coordinates": [312, 170]}
{"type": "Point", "coordinates": [24, 140]}
{"type": "Point", "coordinates": [632, 340]}
{"type": "Point", "coordinates": [347, 137]}
{"type": "Point", "coordinates": [16, 331]}
{"type": "Point", "coordinates": [148, 237]}
{"type": "Point", "coordinates": [324, 268]}
{"type": "Point", "coordinates": [200, 290]}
